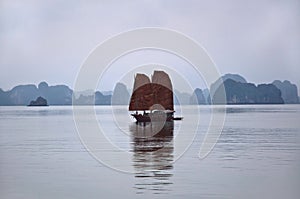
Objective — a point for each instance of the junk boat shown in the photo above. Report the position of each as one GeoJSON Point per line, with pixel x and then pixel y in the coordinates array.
{"type": "Point", "coordinates": [154, 99]}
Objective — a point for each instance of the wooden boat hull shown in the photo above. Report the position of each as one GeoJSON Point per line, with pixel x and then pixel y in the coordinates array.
{"type": "Point", "coordinates": [148, 118]}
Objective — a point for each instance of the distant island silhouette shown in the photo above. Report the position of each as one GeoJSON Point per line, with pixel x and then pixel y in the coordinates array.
{"type": "Point", "coordinates": [237, 89]}
{"type": "Point", "coordinates": [38, 102]}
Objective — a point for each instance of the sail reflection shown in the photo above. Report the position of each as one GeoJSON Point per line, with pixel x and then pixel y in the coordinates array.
{"type": "Point", "coordinates": [153, 156]}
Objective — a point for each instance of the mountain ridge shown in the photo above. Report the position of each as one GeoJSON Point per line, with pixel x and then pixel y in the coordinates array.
{"type": "Point", "coordinates": [238, 90]}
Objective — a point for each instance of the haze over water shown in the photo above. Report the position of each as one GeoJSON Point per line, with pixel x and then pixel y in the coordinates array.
{"type": "Point", "coordinates": [257, 156]}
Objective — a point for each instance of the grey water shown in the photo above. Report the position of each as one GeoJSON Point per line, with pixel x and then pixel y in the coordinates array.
{"type": "Point", "coordinates": [42, 154]}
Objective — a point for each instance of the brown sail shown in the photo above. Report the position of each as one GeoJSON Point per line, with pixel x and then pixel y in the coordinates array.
{"type": "Point", "coordinates": [162, 90]}
{"type": "Point", "coordinates": [146, 94]}
{"type": "Point", "coordinates": [142, 97]}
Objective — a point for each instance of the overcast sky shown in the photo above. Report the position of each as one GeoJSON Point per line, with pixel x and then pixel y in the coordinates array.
{"type": "Point", "coordinates": [49, 40]}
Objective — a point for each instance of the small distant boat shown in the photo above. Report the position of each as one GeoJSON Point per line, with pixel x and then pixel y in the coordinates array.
{"type": "Point", "coordinates": [154, 98]}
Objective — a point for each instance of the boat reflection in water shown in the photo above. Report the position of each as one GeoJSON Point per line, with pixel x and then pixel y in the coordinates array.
{"type": "Point", "coordinates": [153, 156]}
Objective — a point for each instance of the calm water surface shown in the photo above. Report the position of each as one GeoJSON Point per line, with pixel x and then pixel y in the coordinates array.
{"type": "Point", "coordinates": [257, 155]}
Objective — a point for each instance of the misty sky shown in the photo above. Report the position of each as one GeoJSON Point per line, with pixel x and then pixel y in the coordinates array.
{"type": "Point", "coordinates": [49, 40]}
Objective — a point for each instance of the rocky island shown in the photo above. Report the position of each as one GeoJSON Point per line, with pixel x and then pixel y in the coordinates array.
{"type": "Point", "coordinates": [39, 102]}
